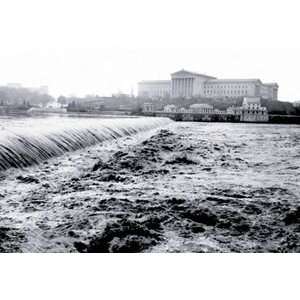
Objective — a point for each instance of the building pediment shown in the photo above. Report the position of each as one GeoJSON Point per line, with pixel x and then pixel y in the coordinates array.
{"type": "Point", "coordinates": [185, 73]}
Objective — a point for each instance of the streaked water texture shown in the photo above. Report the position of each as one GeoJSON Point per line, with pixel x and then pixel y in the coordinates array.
{"type": "Point", "coordinates": [29, 141]}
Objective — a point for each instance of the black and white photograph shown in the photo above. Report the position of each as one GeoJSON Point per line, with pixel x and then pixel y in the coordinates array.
{"type": "Point", "coordinates": [149, 127]}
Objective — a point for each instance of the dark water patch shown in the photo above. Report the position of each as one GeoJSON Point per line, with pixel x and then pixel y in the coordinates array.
{"type": "Point", "coordinates": [201, 215]}
{"type": "Point", "coordinates": [219, 200]}
{"type": "Point", "coordinates": [252, 209]}
{"type": "Point", "coordinates": [208, 169]}
{"type": "Point", "coordinates": [152, 172]}
{"type": "Point", "coordinates": [100, 165]}
{"type": "Point", "coordinates": [124, 235]}
{"type": "Point", "coordinates": [10, 239]}
{"type": "Point", "coordinates": [182, 159]}
{"type": "Point", "coordinates": [293, 216]}
{"type": "Point", "coordinates": [28, 179]}
{"type": "Point", "coordinates": [111, 176]}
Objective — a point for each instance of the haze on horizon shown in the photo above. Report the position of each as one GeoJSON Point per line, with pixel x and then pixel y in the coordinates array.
{"type": "Point", "coordinates": [97, 47]}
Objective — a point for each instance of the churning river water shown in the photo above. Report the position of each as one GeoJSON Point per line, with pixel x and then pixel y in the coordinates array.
{"type": "Point", "coordinates": [70, 184]}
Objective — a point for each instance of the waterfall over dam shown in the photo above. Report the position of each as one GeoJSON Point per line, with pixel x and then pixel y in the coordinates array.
{"type": "Point", "coordinates": [26, 143]}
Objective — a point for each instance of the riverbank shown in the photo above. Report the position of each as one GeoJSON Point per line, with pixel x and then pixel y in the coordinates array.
{"type": "Point", "coordinates": [227, 118]}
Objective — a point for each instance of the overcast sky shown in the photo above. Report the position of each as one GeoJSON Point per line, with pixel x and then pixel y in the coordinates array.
{"type": "Point", "coordinates": [102, 47]}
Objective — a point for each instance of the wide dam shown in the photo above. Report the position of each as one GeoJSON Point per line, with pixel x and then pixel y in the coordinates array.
{"type": "Point", "coordinates": [28, 141]}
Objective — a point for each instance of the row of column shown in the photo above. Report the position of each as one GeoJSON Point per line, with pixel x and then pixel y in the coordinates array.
{"type": "Point", "coordinates": [182, 87]}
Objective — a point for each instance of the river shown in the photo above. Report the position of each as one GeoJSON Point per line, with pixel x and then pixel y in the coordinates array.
{"type": "Point", "coordinates": [148, 185]}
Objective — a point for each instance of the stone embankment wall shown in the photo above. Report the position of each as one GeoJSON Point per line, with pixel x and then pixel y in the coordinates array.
{"type": "Point", "coordinates": [194, 117]}
{"type": "Point", "coordinates": [276, 119]}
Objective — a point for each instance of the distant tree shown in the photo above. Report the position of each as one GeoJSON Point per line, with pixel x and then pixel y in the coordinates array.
{"type": "Point", "coordinates": [62, 100]}
{"type": "Point", "coordinates": [21, 96]}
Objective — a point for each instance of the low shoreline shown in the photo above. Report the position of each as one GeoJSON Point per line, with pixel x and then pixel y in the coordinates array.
{"type": "Point", "coordinates": [223, 118]}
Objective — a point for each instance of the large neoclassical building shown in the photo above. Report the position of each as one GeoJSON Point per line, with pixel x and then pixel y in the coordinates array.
{"type": "Point", "coordinates": [187, 84]}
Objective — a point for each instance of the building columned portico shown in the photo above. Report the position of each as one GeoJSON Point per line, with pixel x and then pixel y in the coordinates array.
{"type": "Point", "coordinates": [185, 84]}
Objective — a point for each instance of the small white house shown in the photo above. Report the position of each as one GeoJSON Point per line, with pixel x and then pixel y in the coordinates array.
{"type": "Point", "coordinates": [148, 107]}
{"type": "Point", "coordinates": [170, 108]}
{"type": "Point", "coordinates": [250, 111]}
{"type": "Point", "coordinates": [201, 108]}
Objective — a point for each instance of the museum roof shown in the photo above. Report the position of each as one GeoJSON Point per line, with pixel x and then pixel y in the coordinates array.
{"type": "Point", "coordinates": [237, 80]}
{"type": "Point", "coordinates": [183, 71]}
{"type": "Point", "coordinates": [271, 83]}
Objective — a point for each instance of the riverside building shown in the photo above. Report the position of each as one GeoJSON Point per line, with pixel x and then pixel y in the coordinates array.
{"type": "Point", "coordinates": [250, 111]}
{"type": "Point", "coordinates": [186, 84]}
